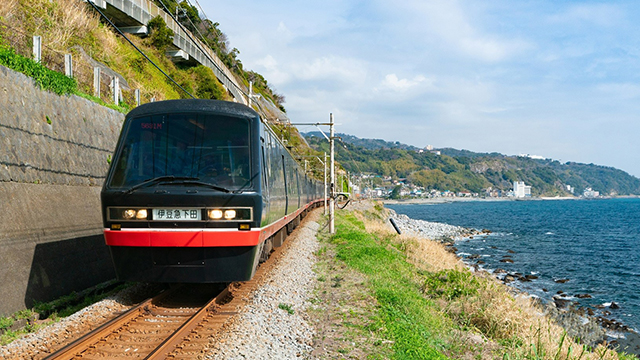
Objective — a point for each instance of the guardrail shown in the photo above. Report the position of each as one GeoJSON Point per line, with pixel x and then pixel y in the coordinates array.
{"type": "Point", "coordinates": [142, 11]}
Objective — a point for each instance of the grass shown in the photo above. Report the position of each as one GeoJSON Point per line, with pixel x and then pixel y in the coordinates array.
{"type": "Point", "coordinates": [68, 25]}
{"type": "Point", "coordinates": [428, 306]}
{"type": "Point", "coordinates": [287, 308]}
{"type": "Point", "coordinates": [45, 78]}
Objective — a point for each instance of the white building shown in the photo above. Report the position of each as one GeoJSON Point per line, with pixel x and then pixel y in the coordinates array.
{"type": "Point", "coordinates": [590, 193]}
{"type": "Point", "coordinates": [520, 190]}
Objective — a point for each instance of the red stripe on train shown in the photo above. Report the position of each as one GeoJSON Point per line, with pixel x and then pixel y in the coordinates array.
{"type": "Point", "coordinates": [195, 237]}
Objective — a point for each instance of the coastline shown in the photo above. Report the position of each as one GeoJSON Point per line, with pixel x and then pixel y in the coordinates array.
{"type": "Point", "coordinates": [444, 200]}
{"type": "Point", "coordinates": [575, 321]}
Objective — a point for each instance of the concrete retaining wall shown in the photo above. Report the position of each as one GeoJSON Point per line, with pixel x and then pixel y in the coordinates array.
{"type": "Point", "coordinates": [53, 159]}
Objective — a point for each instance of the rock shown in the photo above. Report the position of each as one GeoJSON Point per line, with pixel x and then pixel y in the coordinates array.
{"type": "Point", "coordinates": [511, 251]}
{"type": "Point", "coordinates": [507, 260]}
{"type": "Point", "coordinates": [499, 271]}
{"type": "Point", "coordinates": [545, 290]}
{"type": "Point", "coordinates": [480, 262]}
{"type": "Point", "coordinates": [590, 312]}
{"type": "Point", "coordinates": [614, 306]}
{"type": "Point", "coordinates": [485, 231]}
{"type": "Point", "coordinates": [561, 281]}
{"type": "Point", "coordinates": [474, 256]}
{"type": "Point", "coordinates": [583, 296]}
{"type": "Point", "coordinates": [531, 277]}
{"type": "Point", "coordinates": [560, 302]}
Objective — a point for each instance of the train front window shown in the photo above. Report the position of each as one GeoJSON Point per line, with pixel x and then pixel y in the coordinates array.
{"type": "Point", "coordinates": [209, 148]}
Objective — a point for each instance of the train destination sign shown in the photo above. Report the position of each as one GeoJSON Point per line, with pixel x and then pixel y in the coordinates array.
{"type": "Point", "coordinates": [173, 214]}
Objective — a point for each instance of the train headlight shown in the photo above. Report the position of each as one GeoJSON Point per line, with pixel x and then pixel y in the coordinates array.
{"type": "Point", "coordinates": [142, 214]}
{"type": "Point", "coordinates": [128, 214]}
{"type": "Point", "coordinates": [229, 214]}
{"type": "Point", "coordinates": [215, 214]}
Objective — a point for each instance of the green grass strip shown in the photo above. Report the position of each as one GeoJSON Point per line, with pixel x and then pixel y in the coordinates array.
{"type": "Point", "coordinates": [408, 318]}
{"type": "Point", "coordinates": [47, 79]}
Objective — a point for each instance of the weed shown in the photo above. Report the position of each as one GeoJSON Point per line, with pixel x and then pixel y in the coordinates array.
{"type": "Point", "coordinates": [45, 78]}
{"type": "Point", "coordinates": [287, 308]}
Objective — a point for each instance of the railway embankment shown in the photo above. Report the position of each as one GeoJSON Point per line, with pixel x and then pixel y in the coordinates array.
{"type": "Point", "coordinates": [54, 154]}
{"type": "Point", "coordinates": [367, 292]}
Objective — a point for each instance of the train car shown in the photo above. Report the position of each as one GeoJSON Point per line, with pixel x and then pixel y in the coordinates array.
{"type": "Point", "coordinates": [199, 191]}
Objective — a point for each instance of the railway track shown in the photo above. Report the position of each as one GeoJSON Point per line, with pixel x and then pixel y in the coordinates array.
{"type": "Point", "coordinates": [177, 324]}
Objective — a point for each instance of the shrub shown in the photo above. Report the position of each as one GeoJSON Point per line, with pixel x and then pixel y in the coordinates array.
{"type": "Point", "coordinates": [45, 78]}
{"type": "Point", "coordinates": [160, 35]}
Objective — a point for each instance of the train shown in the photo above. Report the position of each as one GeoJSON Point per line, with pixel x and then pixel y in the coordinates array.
{"type": "Point", "coordinates": [200, 191]}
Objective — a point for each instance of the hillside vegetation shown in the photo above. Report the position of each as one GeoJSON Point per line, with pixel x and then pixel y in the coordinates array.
{"type": "Point", "coordinates": [463, 170]}
{"type": "Point", "coordinates": [73, 27]}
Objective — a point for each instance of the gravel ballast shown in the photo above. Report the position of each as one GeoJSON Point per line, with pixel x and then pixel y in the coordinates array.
{"type": "Point", "coordinates": [273, 324]}
{"type": "Point", "coordinates": [68, 329]}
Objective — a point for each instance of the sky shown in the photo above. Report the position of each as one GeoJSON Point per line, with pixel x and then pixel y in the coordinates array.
{"type": "Point", "coordinates": [559, 79]}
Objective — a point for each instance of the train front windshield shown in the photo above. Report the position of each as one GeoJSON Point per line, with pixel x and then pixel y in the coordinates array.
{"type": "Point", "coordinates": [203, 147]}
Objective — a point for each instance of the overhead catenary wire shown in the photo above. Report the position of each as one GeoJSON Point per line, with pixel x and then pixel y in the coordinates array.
{"type": "Point", "coordinates": [166, 9]}
{"type": "Point", "coordinates": [202, 38]}
{"type": "Point", "coordinates": [138, 49]}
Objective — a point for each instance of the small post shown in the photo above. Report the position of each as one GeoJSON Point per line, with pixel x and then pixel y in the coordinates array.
{"type": "Point", "coordinates": [153, 99]}
{"type": "Point", "coordinates": [37, 48]}
{"type": "Point", "coordinates": [68, 65]}
{"type": "Point", "coordinates": [116, 90]}
{"type": "Point", "coordinates": [250, 92]}
{"type": "Point", "coordinates": [332, 202]}
{"type": "Point", "coordinates": [96, 82]}
{"type": "Point", "coordinates": [137, 95]}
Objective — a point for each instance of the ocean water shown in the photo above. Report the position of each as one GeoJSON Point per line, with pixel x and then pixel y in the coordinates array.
{"type": "Point", "coordinates": [594, 244]}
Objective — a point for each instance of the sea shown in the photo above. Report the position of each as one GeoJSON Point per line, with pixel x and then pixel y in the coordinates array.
{"type": "Point", "coordinates": [589, 248]}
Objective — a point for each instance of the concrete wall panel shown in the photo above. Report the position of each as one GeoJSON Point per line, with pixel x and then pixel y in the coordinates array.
{"type": "Point", "coordinates": [53, 160]}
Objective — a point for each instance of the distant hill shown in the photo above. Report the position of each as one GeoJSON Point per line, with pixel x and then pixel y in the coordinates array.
{"type": "Point", "coordinates": [464, 170]}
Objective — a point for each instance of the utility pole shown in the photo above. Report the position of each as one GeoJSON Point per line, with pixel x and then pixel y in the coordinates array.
{"type": "Point", "coordinates": [325, 183]}
{"type": "Point", "coordinates": [332, 186]}
{"type": "Point", "coordinates": [332, 202]}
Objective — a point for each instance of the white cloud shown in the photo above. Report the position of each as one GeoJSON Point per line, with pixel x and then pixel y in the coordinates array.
{"type": "Point", "coordinates": [268, 67]}
{"type": "Point", "coordinates": [334, 68]}
{"type": "Point", "coordinates": [449, 22]}
{"type": "Point", "coordinates": [391, 82]}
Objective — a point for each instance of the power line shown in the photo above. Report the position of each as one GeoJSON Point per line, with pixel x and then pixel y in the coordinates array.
{"type": "Point", "coordinates": [199, 48]}
{"type": "Point", "coordinates": [260, 108]}
{"type": "Point", "coordinates": [140, 51]}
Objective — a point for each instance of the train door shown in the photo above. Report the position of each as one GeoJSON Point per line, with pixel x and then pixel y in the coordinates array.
{"type": "Point", "coordinates": [286, 187]}
{"type": "Point", "coordinates": [298, 187]}
{"type": "Point", "coordinates": [266, 204]}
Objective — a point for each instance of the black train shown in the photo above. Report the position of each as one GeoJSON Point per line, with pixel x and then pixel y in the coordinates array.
{"type": "Point", "coordinates": [199, 191]}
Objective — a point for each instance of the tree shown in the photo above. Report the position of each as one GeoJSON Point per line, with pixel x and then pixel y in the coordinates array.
{"type": "Point", "coordinates": [395, 193]}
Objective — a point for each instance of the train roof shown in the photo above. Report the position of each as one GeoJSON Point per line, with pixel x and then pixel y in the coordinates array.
{"type": "Point", "coordinates": [194, 105]}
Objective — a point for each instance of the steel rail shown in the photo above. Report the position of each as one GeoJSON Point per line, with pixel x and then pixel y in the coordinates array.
{"type": "Point", "coordinates": [170, 344]}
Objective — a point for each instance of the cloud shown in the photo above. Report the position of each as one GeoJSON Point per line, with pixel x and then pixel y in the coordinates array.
{"type": "Point", "coordinates": [455, 27]}
{"type": "Point", "coordinates": [392, 83]}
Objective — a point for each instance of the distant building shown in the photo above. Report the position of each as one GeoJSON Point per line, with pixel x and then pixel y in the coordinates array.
{"type": "Point", "coordinates": [590, 193]}
{"type": "Point", "coordinates": [520, 190]}
{"type": "Point", "coordinates": [429, 147]}
{"type": "Point", "coordinates": [535, 157]}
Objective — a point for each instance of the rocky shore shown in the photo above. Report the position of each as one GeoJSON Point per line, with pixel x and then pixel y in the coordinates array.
{"type": "Point", "coordinates": [578, 322]}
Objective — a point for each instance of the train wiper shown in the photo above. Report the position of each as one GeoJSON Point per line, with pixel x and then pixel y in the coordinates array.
{"type": "Point", "coordinates": [202, 183]}
{"type": "Point", "coordinates": [157, 180]}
